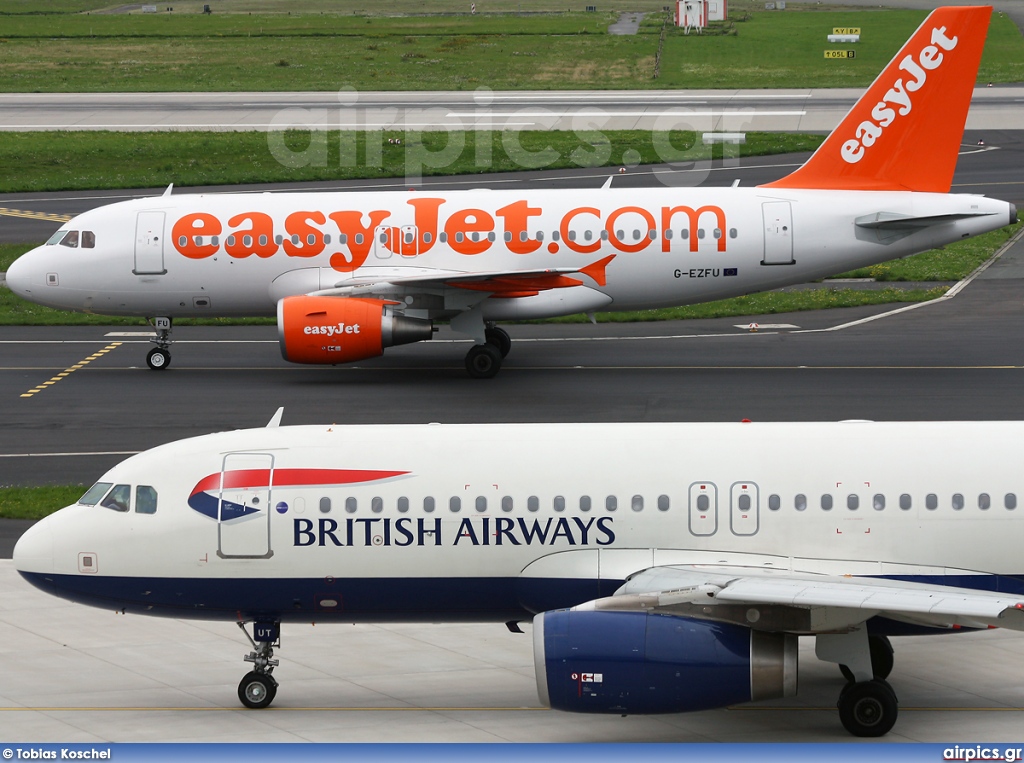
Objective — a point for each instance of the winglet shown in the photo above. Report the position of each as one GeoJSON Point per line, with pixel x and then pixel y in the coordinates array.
{"type": "Point", "coordinates": [596, 270]}
{"type": "Point", "coordinates": [275, 420]}
{"type": "Point", "coordinates": [904, 133]}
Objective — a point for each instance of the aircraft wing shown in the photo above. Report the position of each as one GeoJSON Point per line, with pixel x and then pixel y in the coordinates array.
{"type": "Point", "coordinates": [509, 283]}
{"type": "Point", "coordinates": [807, 603]}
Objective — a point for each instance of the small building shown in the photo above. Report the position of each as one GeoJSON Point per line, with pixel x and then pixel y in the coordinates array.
{"type": "Point", "coordinates": [695, 14]}
{"type": "Point", "coordinates": [692, 14]}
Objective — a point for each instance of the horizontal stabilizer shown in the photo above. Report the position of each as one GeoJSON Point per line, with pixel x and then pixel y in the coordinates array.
{"type": "Point", "coordinates": [897, 221]}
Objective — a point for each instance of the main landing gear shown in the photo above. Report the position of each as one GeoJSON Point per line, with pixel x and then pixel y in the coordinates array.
{"type": "Point", "coordinates": [867, 704]}
{"type": "Point", "coordinates": [258, 688]}
{"type": "Point", "coordinates": [160, 356]}
{"type": "Point", "coordinates": [483, 361]}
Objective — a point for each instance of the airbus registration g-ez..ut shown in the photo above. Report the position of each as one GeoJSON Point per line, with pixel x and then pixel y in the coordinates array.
{"type": "Point", "coordinates": [665, 567]}
{"type": "Point", "coordinates": [349, 274]}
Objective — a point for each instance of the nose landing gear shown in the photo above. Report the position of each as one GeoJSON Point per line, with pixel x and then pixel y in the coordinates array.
{"type": "Point", "coordinates": [160, 356]}
{"type": "Point", "coordinates": [258, 688]}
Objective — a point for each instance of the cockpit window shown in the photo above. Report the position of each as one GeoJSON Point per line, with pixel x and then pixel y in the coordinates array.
{"type": "Point", "coordinates": [118, 498]}
{"type": "Point", "coordinates": [88, 239]}
{"type": "Point", "coordinates": [145, 500]}
{"type": "Point", "coordinates": [71, 239]}
{"type": "Point", "coordinates": [93, 494]}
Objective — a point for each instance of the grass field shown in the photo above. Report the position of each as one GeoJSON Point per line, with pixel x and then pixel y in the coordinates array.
{"type": "Point", "coordinates": [52, 161]}
{"type": "Point", "coordinates": [445, 51]}
{"type": "Point", "coordinates": [36, 502]}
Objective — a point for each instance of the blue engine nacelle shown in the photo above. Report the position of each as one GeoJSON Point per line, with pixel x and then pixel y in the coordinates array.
{"type": "Point", "coordinates": [634, 662]}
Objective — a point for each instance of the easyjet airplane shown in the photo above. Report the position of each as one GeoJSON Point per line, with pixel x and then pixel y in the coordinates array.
{"type": "Point", "coordinates": [665, 567]}
{"type": "Point", "coordinates": [349, 274]}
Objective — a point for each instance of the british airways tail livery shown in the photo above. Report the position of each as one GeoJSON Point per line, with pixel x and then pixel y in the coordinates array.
{"type": "Point", "coordinates": [350, 274]}
{"type": "Point", "coordinates": [665, 567]}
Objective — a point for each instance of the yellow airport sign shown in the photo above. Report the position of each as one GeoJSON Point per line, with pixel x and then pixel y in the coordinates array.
{"type": "Point", "coordinates": [846, 30]}
{"type": "Point", "coordinates": [840, 54]}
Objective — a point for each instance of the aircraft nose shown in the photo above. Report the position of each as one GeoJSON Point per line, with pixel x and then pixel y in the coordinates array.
{"type": "Point", "coordinates": [34, 550]}
{"type": "Point", "coordinates": [19, 275]}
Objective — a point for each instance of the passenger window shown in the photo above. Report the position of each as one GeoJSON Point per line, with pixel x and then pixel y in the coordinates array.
{"type": "Point", "coordinates": [732, 233]}
{"type": "Point", "coordinates": [878, 502]}
{"type": "Point", "coordinates": [428, 504]}
{"type": "Point", "coordinates": [663, 503]}
{"type": "Point", "coordinates": [800, 502]}
{"type": "Point", "coordinates": [958, 501]}
{"type": "Point", "coordinates": [559, 503]}
{"type": "Point", "coordinates": [931, 502]}
{"type": "Point", "coordinates": [481, 503]}
{"type": "Point", "coordinates": [743, 504]}
{"type": "Point", "coordinates": [533, 503]}
{"type": "Point", "coordinates": [774, 502]}
{"type": "Point", "coordinates": [506, 503]}
{"type": "Point", "coordinates": [611, 503]}
{"type": "Point", "coordinates": [93, 494]}
{"type": "Point", "coordinates": [118, 498]}
{"type": "Point", "coordinates": [88, 239]}
{"type": "Point", "coordinates": [637, 503]}
{"type": "Point", "coordinates": [703, 502]}
{"type": "Point", "coordinates": [351, 505]}
{"type": "Point", "coordinates": [826, 501]}
{"type": "Point", "coordinates": [145, 500]}
{"type": "Point", "coordinates": [325, 505]}
{"type": "Point", "coordinates": [905, 501]}
{"type": "Point", "coordinates": [584, 503]}
{"type": "Point", "coordinates": [403, 504]}
{"type": "Point", "coordinates": [853, 501]}
{"type": "Point", "coordinates": [984, 502]}
{"type": "Point", "coordinates": [376, 504]}
{"type": "Point", "coordinates": [1010, 501]}
{"type": "Point", "coordinates": [70, 240]}
{"type": "Point", "coordinates": [455, 504]}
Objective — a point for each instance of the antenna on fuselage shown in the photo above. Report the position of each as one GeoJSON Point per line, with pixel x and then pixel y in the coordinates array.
{"type": "Point", "coordinates": [275, 420]}
{"type": "Point", "coordinates": [168, 191]}
{"type": "Point", "coordinates": [607, 183]}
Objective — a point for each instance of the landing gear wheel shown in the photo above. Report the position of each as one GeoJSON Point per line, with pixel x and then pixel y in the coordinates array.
{"type": "Point", "coordinates": [881, 658]}
{"type": "Point", "coordinates": [158, 359]}
{"type": "Point", "coordinates": [868, 708]}
{"type": "Point", "coordinates": [257, 690]}
{"type": "Point", "coordinates": [483, 361]}
{"type": "Point", "coordinates": [499, 338]}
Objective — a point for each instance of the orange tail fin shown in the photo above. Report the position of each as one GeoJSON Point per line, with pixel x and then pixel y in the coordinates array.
{"type": "Point", "coordinates": [905, 131]}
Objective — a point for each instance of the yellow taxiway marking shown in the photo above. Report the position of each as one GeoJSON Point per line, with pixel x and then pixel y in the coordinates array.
{"type": "Point", "coordinates": [48, 216]}
{"type": "Point", "coordinates": [70, 369]}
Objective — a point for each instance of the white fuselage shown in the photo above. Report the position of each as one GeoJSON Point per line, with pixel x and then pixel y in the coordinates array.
{"type": "Point", "coordinates": [239, 254]}
{"type": "Point", "coordinates": [496, 522]}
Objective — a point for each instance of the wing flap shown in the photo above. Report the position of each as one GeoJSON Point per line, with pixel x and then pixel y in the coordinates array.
{"type": "Point", "coordinates": [683, 589]}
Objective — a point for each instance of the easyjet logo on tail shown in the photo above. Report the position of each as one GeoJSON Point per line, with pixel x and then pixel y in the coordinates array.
{"type": "Point", "coordinates": [899, 99]}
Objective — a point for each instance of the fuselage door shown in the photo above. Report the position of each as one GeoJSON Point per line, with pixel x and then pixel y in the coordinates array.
{"type": "Point", "coordinates": [703, 508]}
{"type": "Point", "coordinates": [743, 508]}
{"type": "Point", "coordinates": [149, 244]}
{"type": "Point", "coordinates": [778, 233]}
{"type": "Point", "coordinates": [244, 508]}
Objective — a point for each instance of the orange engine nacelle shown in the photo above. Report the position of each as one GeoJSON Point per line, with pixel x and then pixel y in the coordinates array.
{"type": "Point", "coordinates": [331, 330]}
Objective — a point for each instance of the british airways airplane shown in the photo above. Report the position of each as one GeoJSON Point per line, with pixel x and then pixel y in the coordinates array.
{"type": "Point", "coordinates": [349, 274]}
{"type": "Point", "coordinates": [665, 567]}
